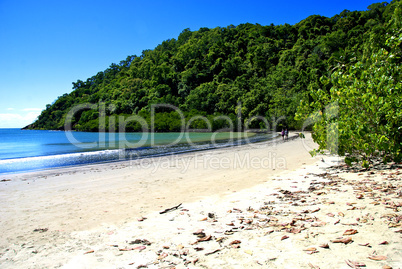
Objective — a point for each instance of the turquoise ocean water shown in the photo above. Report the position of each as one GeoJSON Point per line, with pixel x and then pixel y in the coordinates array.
{"type": "Point", "coordinates": [30, 150]}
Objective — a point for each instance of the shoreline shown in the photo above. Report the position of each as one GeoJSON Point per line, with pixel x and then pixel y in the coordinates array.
{"type": "Point", "coordinates": [90, 217]}
{"type": "Point", "coordinates": [85, 166]}
{"type": "Point", "coordinates": [72, 159]}
{"type": "Point", "coordinates": [146, 169]}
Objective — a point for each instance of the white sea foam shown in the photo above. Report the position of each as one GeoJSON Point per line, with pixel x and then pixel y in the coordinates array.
{"type": "Point", "coordinates": [61, 156]}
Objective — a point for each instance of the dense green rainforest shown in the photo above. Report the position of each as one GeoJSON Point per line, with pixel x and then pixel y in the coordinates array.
{"type": "Point", "coordinates": [249, 70]}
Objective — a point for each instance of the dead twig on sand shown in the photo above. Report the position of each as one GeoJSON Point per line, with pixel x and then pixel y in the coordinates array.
{"type": "Point", "coordinates": [170, 209]}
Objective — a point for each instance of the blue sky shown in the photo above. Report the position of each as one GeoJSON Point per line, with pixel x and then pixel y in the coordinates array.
{"type": "Point", "coordinates": [45, 45]}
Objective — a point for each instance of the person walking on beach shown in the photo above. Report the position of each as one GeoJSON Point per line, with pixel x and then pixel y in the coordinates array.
{"type": "Point", "coordinates": [283, 134]}
{"type": "Point", "coordinates": [286, 134]}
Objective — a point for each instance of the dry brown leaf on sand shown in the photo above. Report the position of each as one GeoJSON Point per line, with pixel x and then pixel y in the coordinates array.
{"type": "Point", "coordinates": [346, 240]}
{"type": "Point", "coordinates": [354, 264]}
{"type": "Point", "coordinates": [162, 256]}
{"type": "Point", "coordinates": [199, 231]}
{"type": "Point", "coordinates": [378, 258]}
{"type": "Point", "coordinates": [284, 237]}
{"type": "Point", "coordinates": [206, 238]}
{"type": "Point", "coordinates": [318, 224]}
{"type": "Point", "coordinates": [313, 266]}
{"type": "Point", "coordinates": [386, 267]}
{"type": "Point", "coordinates": [350, 232]}
{"type": "Point", "coordinates": [325, 245]}
{"type": "Point", "coordinates": [212, 252]}
{"type": "Point", "coordinates": [294, 230]}
{"type": "Point", "coordinates": [89, 251]}
{"type": "Point", "coordinates": [220, 239]}
{"type": "Point", "coordinates": [135, 248]}
{"type": "Point", "coordinates": [235, 242]}
{"type": "Point", "coordinates": [310, 249]}
{"type": "Point", "coordinates": [384, 243]}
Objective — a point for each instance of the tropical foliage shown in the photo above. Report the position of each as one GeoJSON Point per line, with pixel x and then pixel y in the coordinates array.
{"type": "Point", "coordinates": [249, 69]}
{"type": "Point", "coordinates": [360, 103]}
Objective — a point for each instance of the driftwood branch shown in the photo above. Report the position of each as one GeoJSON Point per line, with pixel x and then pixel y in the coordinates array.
{"type": "Point", "coordinates": [170, 209]}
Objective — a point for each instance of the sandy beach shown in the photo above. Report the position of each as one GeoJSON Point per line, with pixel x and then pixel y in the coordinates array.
{"type": "Point", "coordinates": [264, 205]}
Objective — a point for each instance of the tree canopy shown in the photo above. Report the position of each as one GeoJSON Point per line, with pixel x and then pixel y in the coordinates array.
{"type": "Point", "coordinates": [269, 70]}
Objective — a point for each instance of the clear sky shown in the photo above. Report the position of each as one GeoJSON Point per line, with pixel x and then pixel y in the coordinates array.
{"type": "Point", "coordinates": [45, 45]}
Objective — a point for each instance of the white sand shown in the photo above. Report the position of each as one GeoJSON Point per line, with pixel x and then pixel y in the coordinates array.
{"type": "Point", "coordinates": [97, 208]}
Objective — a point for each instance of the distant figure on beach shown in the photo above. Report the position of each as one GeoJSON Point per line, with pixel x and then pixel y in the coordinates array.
{"type": "Point", "coordinates": [286, 134]}
{"type": "Point", "coordinates": [283, 134]}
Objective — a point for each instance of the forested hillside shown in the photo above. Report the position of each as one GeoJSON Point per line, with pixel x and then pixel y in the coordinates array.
{"type": "Point", "coordinates": [268, 69]}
